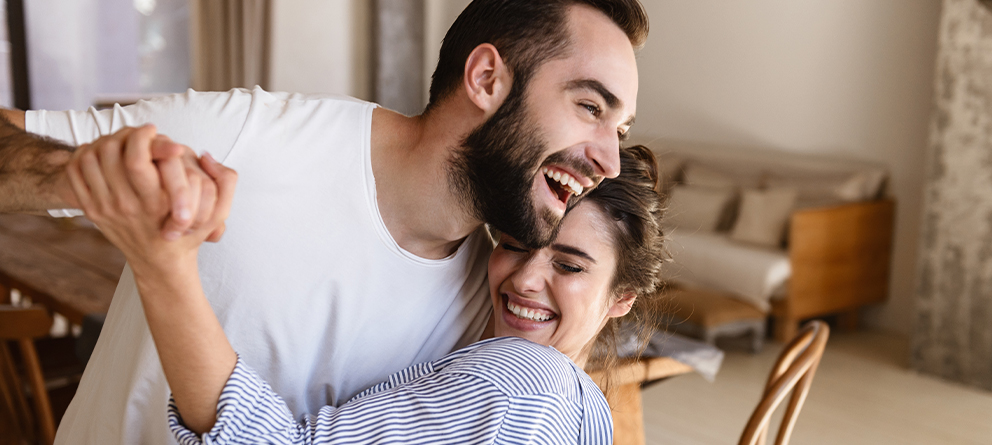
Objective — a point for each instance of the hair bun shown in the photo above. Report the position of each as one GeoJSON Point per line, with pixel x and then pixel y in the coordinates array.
{"type": "Point", "coordinates": [649, 164]}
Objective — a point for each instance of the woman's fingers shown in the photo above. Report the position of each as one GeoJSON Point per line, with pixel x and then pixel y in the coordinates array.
{"type": "Point", "coordinates": [216, 235]}
{"type": "Point", "coordinates": [208, 198]}
{"type": "Point", "coordinates": [141, 172]}
{"type": "Point", "coordinates": [226, 180]}
{"type": "Point", "coordinates": [177, 187]}
{"type": "Point", "coordinates": [92, 174]}
{"type": "Point", "coordinates": [110, 157]}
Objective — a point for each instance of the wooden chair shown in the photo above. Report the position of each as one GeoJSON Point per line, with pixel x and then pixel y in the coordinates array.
{"type": "Point", "coordinates": [793, 372]}
{"type": "Point", "coordinates": [23, 325]}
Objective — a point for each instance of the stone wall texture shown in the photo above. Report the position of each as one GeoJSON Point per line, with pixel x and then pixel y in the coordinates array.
{"type": "Point", "coordinates": [953, 331]}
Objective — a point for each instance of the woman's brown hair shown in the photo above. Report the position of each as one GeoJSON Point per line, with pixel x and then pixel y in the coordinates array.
{"type": "Point", "coordinates": [632, 204]}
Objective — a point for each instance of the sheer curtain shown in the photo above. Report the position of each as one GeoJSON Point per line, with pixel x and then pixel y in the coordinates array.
{"type": "Point", "coordinates": [230, 43]}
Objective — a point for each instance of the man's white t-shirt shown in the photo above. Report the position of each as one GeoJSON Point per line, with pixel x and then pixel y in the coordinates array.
{"type": "Point", "coordinates": [310, 287]}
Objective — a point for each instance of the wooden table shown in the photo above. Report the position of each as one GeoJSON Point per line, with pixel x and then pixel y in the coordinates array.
{"type": "Point", "coordinates": [625, 397]}
{"type": "Point", "coordinates": [66, 266]}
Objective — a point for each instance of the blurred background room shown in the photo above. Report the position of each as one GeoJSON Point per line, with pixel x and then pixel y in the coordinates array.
{"type": "Point", "coordinates": [825, 159]}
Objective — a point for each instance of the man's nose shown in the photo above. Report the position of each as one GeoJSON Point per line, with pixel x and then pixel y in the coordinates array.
{"type": "Point", "coordinates": [605, 154]}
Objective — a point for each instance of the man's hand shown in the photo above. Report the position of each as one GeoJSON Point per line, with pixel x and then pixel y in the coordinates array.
{"type": "Point", "coordinates": [189, 189]}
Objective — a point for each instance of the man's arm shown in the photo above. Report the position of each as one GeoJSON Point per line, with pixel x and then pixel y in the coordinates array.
{"type": "Point", "coordinates": [33, 178]}
{"type": "Point", "coordinates": [32, 169]}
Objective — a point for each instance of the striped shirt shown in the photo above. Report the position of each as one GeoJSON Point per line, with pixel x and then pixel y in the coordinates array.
{"type": "Point", "coordinates": [498, 391]}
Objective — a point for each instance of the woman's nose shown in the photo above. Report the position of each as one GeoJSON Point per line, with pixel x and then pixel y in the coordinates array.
{"type": "Point", "coordinates": [530, 278]}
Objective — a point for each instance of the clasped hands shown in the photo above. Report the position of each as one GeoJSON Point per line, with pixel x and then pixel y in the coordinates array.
{"type": "Point", "coordinates": [151, 197]}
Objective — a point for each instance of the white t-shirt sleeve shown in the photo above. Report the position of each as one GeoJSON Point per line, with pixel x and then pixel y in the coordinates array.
{"type": "Point", "coordinates": [204, 121]}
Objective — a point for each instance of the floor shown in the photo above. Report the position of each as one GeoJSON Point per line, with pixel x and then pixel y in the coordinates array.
{"type": "Point", "coordinates": [863, 393]}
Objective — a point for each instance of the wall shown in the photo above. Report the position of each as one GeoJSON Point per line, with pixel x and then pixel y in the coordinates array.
{"type": "Point", "coordinates": [953, 336]}
{"type": "Point", "coordinates": [843, 78]}
{"type": "Point", "coordinates": [321, 46]}
{"type": "Point", "coordinates": [438, 17]}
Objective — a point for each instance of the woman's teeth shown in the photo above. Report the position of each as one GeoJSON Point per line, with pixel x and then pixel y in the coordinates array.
{"type": "Point", "coordinates": [568, 183]}
{"type": "Point", "coordinates": [527, 313]}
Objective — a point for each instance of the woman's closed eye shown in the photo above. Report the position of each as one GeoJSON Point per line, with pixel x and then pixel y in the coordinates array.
{"type": "Point", "coordinates": [568, 268]}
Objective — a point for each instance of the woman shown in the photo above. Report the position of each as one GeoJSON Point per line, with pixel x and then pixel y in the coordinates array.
{"type": "Point", "coordinates": [527, 384]}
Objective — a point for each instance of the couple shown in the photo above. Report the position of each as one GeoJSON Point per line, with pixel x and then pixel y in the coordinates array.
{"type": "Point", "coordinates": [523, 384]}
{"type": "Point", "coordinates": [355, 245]}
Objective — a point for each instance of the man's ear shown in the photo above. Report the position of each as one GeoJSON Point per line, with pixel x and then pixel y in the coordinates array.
{"type": "Point", "coordinates": [487, 79]}
{"type": "Point", "coordinates": [623, 304]}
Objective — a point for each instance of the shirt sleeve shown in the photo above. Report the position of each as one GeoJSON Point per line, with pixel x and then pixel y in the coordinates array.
{"type": "Point", "coordinates": [204, 121]}
{"type": "Point", "coordinates": [440, 408]}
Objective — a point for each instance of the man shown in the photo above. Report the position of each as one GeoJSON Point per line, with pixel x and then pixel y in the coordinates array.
{"type": "Point", "coordinates": [355, 244]}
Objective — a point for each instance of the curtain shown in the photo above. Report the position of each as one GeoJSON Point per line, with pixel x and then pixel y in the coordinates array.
{"type": "Point", "coordinates": [398, 28]}
{"type": "Point", "coordinates": [952, 337]}
{"type": "Point", "coordinates": [230, 45]}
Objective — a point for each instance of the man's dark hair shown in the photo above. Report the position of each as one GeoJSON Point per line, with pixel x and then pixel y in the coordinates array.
{"type": "Point", "coordinates": [525, 32]}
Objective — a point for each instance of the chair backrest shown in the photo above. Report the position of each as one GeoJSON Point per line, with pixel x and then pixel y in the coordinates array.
{"type": "Point", "coordinates": [23, 325]}
{"type": "Point", "coordinates": [793, 372]}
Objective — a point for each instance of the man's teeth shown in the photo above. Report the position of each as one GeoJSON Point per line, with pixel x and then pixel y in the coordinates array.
{"type": "Point", "coordinates": [527, 313]}
{"type": "Point", "coordinates": [570, 184]}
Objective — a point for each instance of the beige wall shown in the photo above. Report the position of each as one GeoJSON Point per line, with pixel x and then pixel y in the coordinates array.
{"type": "Point", "coordinates": [439, 15]}
{"type": "Point", "coordinates": [850, 78]}
{"type": "Point", "coordinates": [321, 46]}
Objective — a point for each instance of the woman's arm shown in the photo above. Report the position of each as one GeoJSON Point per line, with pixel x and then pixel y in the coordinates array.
{"type": "Point", "coordinates": [458, 399]}
{"type": "Point", "coordinates": [121, 191]}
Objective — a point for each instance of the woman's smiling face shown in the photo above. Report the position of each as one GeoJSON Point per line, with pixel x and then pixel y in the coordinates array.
{"type": "Point", "coordinates": [559, 295]}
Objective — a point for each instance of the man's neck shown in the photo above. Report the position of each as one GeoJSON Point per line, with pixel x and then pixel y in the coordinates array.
{"type": "Point", "coordinates": [410, 157]}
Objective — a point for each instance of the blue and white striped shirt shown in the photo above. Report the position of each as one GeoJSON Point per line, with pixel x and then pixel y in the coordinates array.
{"type": "Point", "coordinates": [498, 391]}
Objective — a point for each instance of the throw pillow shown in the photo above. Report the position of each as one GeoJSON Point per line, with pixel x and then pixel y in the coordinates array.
{"type": "Point", "coordinates": [697, 208]}
{"type": "Point", "coordinates": [763, 215]}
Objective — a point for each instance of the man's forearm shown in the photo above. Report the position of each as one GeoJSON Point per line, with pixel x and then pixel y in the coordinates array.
{"type": "Point", "coordinates": [32, 170]}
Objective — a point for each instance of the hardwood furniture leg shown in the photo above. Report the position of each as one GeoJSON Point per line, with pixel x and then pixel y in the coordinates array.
{"type": "Point", "coordinates": [848, 320]}
{"type": "Point", "coordinates": [42, 407]}
{"type": "Point", "coordinates": [785, 328]}
{"type": "Point", "coordinates": [758, 337]}
{"type": "Point", "coordinates": [628, 418]}
{"type": "Point", "coordinates": [13, 397]}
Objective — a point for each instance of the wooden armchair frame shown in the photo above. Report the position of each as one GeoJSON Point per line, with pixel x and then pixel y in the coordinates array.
{"type": "Point", "coordinates": [793, 372]}
{"type": "Point", "coordinates": [841, 257]}
{"type": "Point", "coordinates": [23, 325]}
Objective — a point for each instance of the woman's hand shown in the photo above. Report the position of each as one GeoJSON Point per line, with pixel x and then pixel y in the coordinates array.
{"type": "Point", "coordinates": [121, 190]}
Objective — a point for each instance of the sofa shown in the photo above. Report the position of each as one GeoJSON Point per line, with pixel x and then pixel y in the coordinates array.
{"type": "Point", "coordinates": [794, 236]}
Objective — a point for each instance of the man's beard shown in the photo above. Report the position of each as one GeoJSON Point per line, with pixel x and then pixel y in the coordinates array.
{"type": "Point", "coordinates": [494, 170]}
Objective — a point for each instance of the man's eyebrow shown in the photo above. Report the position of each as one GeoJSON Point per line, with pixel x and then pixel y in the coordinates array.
{"type": "Point", "coordinates": [564, 248]}
{"type": "Point", "coordinates": [611, 99]}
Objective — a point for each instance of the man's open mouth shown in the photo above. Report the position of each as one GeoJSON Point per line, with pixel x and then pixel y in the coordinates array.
{"type": "Point", "coordinates": [561, 183]}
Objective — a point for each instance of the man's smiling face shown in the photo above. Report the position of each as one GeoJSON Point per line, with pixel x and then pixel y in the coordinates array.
{"type": "Point", "coordinates": [556, 137]}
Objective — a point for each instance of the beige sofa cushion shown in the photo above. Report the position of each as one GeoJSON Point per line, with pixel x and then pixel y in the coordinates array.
{"type": "Point", "coordinates": [695, 209]}
{"type": "Point", "coordinates": [763, 216]}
